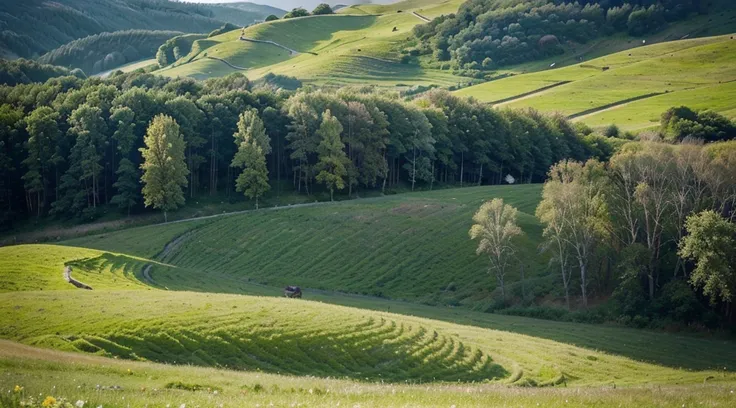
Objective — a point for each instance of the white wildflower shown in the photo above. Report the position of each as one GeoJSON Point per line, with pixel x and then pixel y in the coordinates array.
{"type": "Point", "coordinates": [79, 404]}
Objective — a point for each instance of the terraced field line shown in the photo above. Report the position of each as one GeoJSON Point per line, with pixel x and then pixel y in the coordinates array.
{"type": "Point", "coordinates": [421, 17]}
{"type": "Point", "coordinates": [291, 51]}
{"type": "Point", "coordinates": [613, 105]}
{"type": "Point", "coordinates": [526, 95]}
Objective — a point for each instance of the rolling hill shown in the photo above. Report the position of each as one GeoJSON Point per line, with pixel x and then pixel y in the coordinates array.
{"type": "Point", "coordinates": [630, 88]}
{"type": "Point", "coordinates": [359, 45]}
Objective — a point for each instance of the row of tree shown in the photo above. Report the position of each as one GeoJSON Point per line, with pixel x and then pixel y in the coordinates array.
{"type": "Point", "coordinates": [69, 146]}
{"type": "Point", "coordinates": [655, 217]}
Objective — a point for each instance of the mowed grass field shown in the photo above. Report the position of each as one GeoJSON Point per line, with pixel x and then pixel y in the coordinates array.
{"type": "Point", "coordinates": [409, 246]}
{"type": "Point", "coordinates": [357, 46]}
{"type": "Point", "coordinates": [698, 73]}
{"type": "Point", "coordinates": [330, 347]}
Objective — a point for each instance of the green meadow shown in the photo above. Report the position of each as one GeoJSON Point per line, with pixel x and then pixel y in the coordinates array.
{"type": "Point", "coordinates": [192, 313]}
{"type": "Point", "coordinates": [629, 88]}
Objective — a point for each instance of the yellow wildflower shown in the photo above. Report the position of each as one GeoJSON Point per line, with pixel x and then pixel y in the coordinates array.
{"type": "Point", "coordinates": [18, 388]}
{"type": "Point", "coordinates": [49, 402]}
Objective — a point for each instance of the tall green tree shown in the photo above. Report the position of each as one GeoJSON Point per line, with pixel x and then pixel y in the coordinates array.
{"type": "Point", "coordinates": [575, 214]}
{"type": "Point", "coordinates": [251, 140]}
{"type": "Point", "coordinates": [43, 133]}
{"type": "Point", "coordinates": [332, 158]}
{"type": "Point", "coordinates": [495, 228]}
{"type": "Point", "coordinates": [164, 169]}
{"type": "Point", "coordinates": [126, 185]}
{"type": "Point", "coordinates": [91, 132]}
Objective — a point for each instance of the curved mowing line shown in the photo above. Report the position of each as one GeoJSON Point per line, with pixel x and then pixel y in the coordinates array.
{"type": "Point", "coordinates": [614, 104]}
{"type": "Point", "coordinates": [421, 17]}
{"type": "Point", "coordinates": [530, 93]}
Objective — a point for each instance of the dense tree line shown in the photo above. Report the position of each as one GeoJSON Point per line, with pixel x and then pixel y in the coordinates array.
{"type": "Point", "coordinates": [488, 34]}
{"type": "Point", "coordinates": [70, 147]}
{"type": "Point", "coordinates": [23, 71]}
{"type": "Point", "coordinates": [34, 27]}
{"type": "Point", "coordinates": [654, 226]}
{"type": "Point", "coordinates": [106, 51]}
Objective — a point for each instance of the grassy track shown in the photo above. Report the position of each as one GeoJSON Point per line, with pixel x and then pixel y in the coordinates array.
{"type": "Point", "coordinates": [696, 72]}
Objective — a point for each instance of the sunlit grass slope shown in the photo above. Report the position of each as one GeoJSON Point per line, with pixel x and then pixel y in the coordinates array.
{"type": "Point", "coordinates": [303, 337]}
{"type": "Point", "coordinates": [409, 246]}
{"type": "Point", "coordinates": [682, 71]}
{"type": "Point", "coordinates": [41, 267]}
{"type": "Point", "coordinates": [349, 48]}
{"type": "Point", "coordinates": [142, 384]}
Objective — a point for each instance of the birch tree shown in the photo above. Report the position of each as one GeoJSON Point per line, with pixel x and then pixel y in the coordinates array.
{"type": "Point", "coordinates": [495, 227]}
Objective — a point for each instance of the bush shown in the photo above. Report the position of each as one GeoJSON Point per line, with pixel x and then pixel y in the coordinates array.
{"type": "Point", "coordinates": [322, 9]}
{"type": "Point", "coordinates": [296, 12]}
{"type": "Point", "coordinates": [271, 18]}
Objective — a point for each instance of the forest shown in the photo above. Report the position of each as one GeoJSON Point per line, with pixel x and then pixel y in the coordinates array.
{"type": "Point", "coordinates": [653, 227]}
{"type": "Point", "coordinates": [71, 145]}
{"type": "Point", "coordinates": [105, 51]}
{"type": "Point", "coordinates": [485, 35]}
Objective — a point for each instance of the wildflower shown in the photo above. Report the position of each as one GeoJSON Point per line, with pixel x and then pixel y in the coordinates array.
{"type": "Point", "coordinates": [49, 402]}
{"type": "Point", "coordinates": [129, 371]}
{"type": "Point", "coordinates": [183, 406]}
{"type": "Point", "coordinates": [79, 404]}
{"type": "Point", "coordinates": [215, 392]}
{"type": "Point", "coordinates": [18, 388]}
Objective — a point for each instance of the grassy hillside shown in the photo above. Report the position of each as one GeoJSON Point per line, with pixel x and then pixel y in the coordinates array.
{"type": "Point", "coordinates": [631, 88]}
{"type": "Point", "coordinates": [32, 28]}
{"type": "Point", "coordinates": [424, 252]}
{"type": "Point", "coordinates": [334, 347]}
{"type": "Point", "coordinates": [107, 51]}
{"type": "Point", "coordinates": [353, 47]}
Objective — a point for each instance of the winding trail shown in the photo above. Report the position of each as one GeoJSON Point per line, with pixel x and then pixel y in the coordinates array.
{"type": "Point", "coordinates": [227, 63]}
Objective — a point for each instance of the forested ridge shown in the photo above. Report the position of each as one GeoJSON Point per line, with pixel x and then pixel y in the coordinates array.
{"type": "Point", "coordinates": [487, 34]}
{"type": "Point", "coordinates": [32, 28]}
{"type": "Point", "coordinates": [105, 51]}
